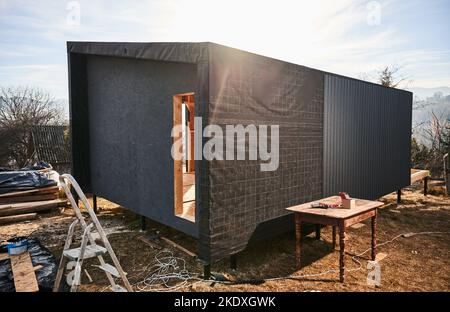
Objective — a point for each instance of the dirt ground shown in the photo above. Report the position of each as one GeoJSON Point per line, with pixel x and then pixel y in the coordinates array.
{"type": "Point", "coordinates": [416, 263]}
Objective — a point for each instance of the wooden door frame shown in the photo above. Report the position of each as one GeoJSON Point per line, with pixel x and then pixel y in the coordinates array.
{"type": "Point", "coordinates": [178, 164]}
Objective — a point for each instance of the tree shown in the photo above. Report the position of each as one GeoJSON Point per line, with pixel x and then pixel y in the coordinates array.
{"type": "Point", "coordinates": [21, 108]}
{"type": "Point", "coordinates": [389, 77]}
{"type": "Point", "coordinates": [436, 133]}
{"type": "Point", "coordinates": [419, 154]}
{"type": "Point", "coordinates": [446, 137]}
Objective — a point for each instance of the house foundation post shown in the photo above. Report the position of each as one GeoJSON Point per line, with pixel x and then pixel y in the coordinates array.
{"type": "Point", "coordinates": [206, 271]}
{"type": "Point", "coordinates": [94, 202]}
{"type": "Point", "coordinates": [399, 196]}
{"type": "Point", "coordinates": [233, 262]}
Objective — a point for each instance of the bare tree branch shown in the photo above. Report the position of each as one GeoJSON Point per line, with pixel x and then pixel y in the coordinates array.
{"type": "Point", "coordinates": [21, 108]}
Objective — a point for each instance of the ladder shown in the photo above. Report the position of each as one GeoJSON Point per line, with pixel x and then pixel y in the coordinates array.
{"type": "Point", "coordinates": [88, 247]}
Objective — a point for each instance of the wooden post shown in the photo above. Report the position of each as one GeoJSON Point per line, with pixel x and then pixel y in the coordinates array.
{"type": "Point", "coordinates": [207, 271]}
{"type": "Point", "coordinates": [233, 262]}
{"type": "Point", "coordinates": [399, 196]}
{"type": "Point", "coordinates": [318, 231]}
{"type": "Point", "coordinates": [143, 224]}
{"type": "Point", "coordinates": [425, 186]}
{"type": "Point", "coordinates": [341, 252]}
{"type": "Point", "coordinates": [298, 237]}
{"type": "Point", "coordinates": [374, 235]}
{"type": "Point", "coordinates": [94, 202]}
{"type": "Point", "coordinates": [334, 237]}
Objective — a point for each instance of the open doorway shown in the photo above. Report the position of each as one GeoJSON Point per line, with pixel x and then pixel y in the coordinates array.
{"type": "Point", "coordinates": [184, 167]}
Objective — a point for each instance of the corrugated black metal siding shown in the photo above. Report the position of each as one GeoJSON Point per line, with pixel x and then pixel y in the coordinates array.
{"type": "Point", "coordinates": [367, 138]}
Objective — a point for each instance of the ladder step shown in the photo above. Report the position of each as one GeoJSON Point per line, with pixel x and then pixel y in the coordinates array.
{"type": "Point", "coordinates": [110, 269]}
{"type": "Point", "coordinates": [90, 252]}
{"type": "Point", "coordinates": [118, 288]}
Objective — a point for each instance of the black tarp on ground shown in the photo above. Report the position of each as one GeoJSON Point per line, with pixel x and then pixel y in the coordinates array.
{"type": "Point", "coordinates": [39, 256]}
{"type": "Point", "coordinates": [231, 87]}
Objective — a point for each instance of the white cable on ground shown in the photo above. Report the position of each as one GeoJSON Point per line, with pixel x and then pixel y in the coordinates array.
{"type": "Point", "coordinates": [405, 235]}
{"type": "Point", "coordinates": [169, 273]}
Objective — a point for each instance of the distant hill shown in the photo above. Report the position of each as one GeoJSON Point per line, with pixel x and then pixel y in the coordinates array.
{"type": "Point", "coordinates": [423, 93]}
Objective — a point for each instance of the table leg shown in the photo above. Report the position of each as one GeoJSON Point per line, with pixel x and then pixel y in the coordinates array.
{"type": "Point", "coordinates": [334, 237]}
{"type": "Point", "coordinates": [298, 237]}
{"type": "Point", "coordinates": [341, 252]}
{"type": "Point", "coordinates": [374, 235]}
{"type": "Point", "coordinates": [318, 231]}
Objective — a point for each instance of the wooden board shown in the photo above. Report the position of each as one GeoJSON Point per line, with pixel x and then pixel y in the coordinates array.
{"type": "Point", "coordinates": [44, 190]}
{"type": "Point", "coordinates": [417, 175]}
{"type": "Point", "coordinates": [18, 218]}
{"type": "Point", "coordinates": [173, 244]}
{"type": "Point", "coordinates": [19, 208]}
{"type": "Point", "coordinates": [4, 256]}
{"type": "Point", "coordinates": [150, 243]}
{"type": "Point", "coordinates": [28, 198]}
{"type": "Point", "coordinates": [362, 205]}
{"type": "Point", "coordinates": [23, 272]}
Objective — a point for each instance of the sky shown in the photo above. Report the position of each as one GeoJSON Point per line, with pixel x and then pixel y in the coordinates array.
{"type": "Point", "coordinates": [350, 37]}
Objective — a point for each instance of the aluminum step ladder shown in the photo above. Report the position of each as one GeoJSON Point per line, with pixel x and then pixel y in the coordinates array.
{"type": "Point", "coordinates": [88, 248]}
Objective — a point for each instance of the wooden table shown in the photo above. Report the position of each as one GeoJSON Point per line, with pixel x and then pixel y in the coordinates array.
{"type": "Point", "coordinates": [336, 217]}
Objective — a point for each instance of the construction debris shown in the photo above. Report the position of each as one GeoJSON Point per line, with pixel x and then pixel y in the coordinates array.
{"type": "Point", "coordinates": [26, 192]}
{"type": "Point", "coordinates": [153, 244]}
{"type": "Point", "coordinates": [18, 218]}
{"type": "Point", "coordinates": [28, 207]}
{"type": "Point", "coordinates": [181, 248]}
{"type": "Point", "coordinates": [43, 267]}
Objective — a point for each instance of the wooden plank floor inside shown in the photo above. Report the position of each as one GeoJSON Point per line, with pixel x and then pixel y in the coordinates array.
{"type": "Point", "coordinates": [188, 197]}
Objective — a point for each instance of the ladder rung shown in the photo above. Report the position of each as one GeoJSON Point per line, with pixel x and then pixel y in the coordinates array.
{"type": "Point", "coordinates": [118, 288]}
{"type": "Point", "coordinates": [110, 269]}
{"type": "Point", "coordinates": [90, 252]}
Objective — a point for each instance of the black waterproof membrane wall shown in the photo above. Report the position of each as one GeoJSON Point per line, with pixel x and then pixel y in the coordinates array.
{"type": "Point", "coordinates": [335, 134]}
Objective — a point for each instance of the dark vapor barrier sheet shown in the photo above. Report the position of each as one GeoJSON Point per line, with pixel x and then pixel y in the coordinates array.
{"type": "Point", "coordinates": [44, 276]}
{"type": "Point", "coordinates": [121, 112]}
{"type": "Point", "coordinates": [250, 89]}
{"type": "Point", "coordinates": [12, 181]}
